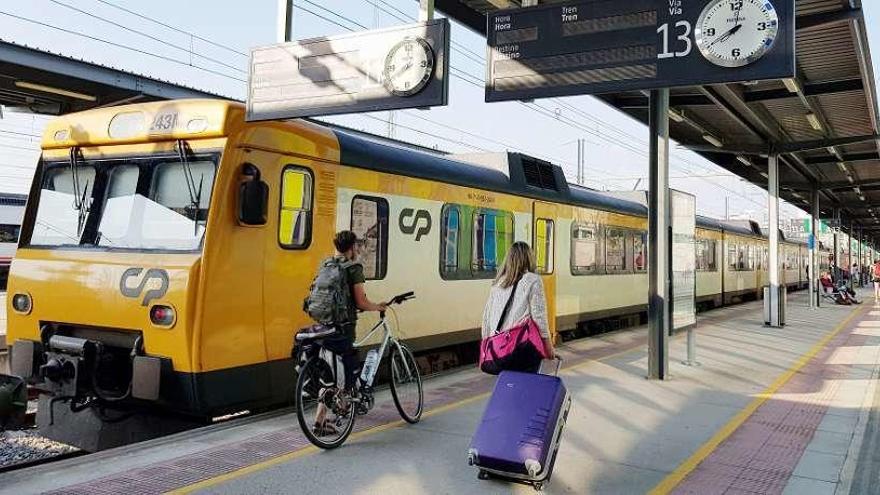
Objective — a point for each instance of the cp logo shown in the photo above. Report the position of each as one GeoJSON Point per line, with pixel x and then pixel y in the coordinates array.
{"type": "Point", "coordinates": [152, 274]}
{"type": "Point", "coordinates": [410, 220]}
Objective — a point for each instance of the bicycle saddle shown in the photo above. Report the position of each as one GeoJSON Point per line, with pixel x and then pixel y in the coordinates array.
{"type": "Point", "coordinates": [315, 332]}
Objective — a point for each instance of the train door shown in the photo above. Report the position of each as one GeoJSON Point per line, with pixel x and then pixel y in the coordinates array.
{"type": "Point", "coordinates": [544, 217]}
{"type": "Point", "coordinates": [302, 218]}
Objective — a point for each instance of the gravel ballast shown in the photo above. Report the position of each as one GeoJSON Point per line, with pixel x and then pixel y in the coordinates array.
{"type": "Point", "coordinates": [18, 446]}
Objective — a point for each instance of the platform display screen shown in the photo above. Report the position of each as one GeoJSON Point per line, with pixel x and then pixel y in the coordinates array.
{"type": "Point", "coordinates": [684, 260]}
{"type": "Point", "coordinates": [604, 46]}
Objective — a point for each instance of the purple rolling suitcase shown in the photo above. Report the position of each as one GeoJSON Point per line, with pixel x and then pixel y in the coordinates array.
{"type": "Point", "coordinates": [518, 437]}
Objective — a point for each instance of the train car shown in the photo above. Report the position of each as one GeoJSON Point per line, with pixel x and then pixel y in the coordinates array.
{"type": "Point", "coordinates": [167, 247]}
{"type": "Point", "coordinates": [11, 211]}
{"type": "Point", "coordinates": [743, 248]}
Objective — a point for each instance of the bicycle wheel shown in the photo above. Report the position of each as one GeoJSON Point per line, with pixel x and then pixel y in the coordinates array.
{"type": "Point", "coordinates": [406, 384]}
{"type": "Point", "coordinates": [325, 418]}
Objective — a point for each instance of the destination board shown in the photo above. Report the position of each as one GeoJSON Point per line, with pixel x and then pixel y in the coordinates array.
{"type": "Point", "coordinates": [366, 71]}
{"type": "Point", "coordinates": [601, 46]}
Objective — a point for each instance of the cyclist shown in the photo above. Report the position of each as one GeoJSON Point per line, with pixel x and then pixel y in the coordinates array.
{"type": "Point", "coordinates": [348, 249]}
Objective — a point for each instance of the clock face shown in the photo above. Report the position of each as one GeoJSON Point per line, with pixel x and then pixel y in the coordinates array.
{"type": "Point", "coordinates": [735, 33]}
{"type": "Point", "coordinates": [409, 67]}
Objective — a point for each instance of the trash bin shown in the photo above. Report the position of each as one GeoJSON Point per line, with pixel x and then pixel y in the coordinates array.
{"type": "Point", "coordinates": [783, 293]}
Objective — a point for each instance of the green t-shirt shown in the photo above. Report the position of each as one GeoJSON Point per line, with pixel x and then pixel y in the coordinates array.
{"type": "Point", "coordinates": [355, 274]}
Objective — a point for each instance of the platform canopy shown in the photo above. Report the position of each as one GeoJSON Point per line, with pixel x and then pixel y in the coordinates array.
{"type": "Point", "coordinates": [48, 83]}
{"type": "Point", "coordinates": [824, 122]}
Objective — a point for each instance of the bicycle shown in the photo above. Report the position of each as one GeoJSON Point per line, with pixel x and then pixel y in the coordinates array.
{"type": "Point", "coordinates": [325, 414]}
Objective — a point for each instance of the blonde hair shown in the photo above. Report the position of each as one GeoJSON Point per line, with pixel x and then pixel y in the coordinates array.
{"type": "Point", "coordinates": [519, 260]}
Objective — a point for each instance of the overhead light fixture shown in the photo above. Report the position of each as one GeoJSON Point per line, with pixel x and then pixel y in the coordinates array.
{"type": "Point", "coordinates": [813, 119]}
{"type": "Point", "coordinates": [714, 141]}
{"type": "Point", "coordinates": [744, 160]}
{"type": "Point", "coordinates": [797, 195]}
{"type": "Point", "coordinates": [675, 115]}
{"type": "Point", "coordinates": [842, 167]}
{"type": "Point", "coordinates": [857, 190]}
{"type": "Point", "coordinates": [764, 175]}
{"type": "Point", "coordinates": [850, 179]}
{"type": "Point", "coordinates": [862, 197]}
{"type": "Point", "coordinates": [56, 91]}
{"type": "Point", "coordinates": [791, 85]}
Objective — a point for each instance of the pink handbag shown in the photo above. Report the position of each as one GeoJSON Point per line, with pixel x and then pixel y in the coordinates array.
{"type": "Point", "coordinates": [517, 349]}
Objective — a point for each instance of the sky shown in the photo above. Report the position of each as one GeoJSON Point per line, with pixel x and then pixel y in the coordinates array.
{"type": "Point", "coordinates": [205, 44]}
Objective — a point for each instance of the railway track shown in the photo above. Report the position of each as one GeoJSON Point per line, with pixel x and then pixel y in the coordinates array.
{"type": "Point", "coordinates": [40, 461]}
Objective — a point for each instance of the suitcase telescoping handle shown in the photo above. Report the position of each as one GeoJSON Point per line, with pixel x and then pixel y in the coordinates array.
{"type": "Point", "coordinates": [551, 366]}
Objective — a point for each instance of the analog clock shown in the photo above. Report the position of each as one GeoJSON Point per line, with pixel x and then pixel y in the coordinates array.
{"type": "Point", "coordinates": [736, 33]}
{"type": "Point", "coordinates": [409, 67]}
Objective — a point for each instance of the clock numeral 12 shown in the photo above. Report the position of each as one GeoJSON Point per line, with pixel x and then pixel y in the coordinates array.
{"type": "Point", "coordinates": [683, 37]}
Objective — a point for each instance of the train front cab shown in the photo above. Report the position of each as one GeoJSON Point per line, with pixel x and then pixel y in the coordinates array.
{"type": "Point", "coordinates": [151, 241]}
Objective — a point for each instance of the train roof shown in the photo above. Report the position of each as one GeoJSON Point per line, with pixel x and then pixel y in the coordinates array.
{"type": "Point", "coordinates": [513, 173]}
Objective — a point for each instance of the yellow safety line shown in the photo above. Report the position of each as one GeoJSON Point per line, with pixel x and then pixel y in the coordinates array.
{"type": "Point", "coordinates": [311, 449]}
{"type": "Point", "coordinates": [680, 473]}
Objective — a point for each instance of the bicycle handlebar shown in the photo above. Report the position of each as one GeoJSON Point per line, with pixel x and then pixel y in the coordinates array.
{"type": "Point", "coordinates": [399, 299]}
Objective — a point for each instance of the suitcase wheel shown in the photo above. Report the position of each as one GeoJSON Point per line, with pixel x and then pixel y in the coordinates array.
{"type": "Point", "coordinates": [539, 486]}
{"type": "Point", "coordinates": [483, 475]}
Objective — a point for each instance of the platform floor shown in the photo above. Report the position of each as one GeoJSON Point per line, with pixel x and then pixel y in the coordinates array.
{"type": "Point", "coordinates": [768, 411]}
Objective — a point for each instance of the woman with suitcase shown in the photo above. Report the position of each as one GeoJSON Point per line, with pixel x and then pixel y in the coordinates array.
{"type": "Point", "coordinates": [518, 437]}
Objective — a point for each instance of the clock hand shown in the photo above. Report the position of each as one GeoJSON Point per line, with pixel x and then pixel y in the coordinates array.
{"type": "Point", "coordinates": [726, 36]}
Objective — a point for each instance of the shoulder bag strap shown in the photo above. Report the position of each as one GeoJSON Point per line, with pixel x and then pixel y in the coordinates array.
{"type": "Point", "coordinates": [507, 306]}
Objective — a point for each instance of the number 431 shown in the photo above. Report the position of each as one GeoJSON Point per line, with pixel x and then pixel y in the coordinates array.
{"type": "Point", "coordinates": [683, 45]}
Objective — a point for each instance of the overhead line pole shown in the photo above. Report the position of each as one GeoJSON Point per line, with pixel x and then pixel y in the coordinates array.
{"type": "Point", "coordinates": [285, 21]}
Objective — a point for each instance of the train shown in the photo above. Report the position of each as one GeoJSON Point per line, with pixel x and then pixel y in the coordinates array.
{"type": "Point", "coordinates": [166, 249]}
{"type": "Point", "coordinates": [11, 212]}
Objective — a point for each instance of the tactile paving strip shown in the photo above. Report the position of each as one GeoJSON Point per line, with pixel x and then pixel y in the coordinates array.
{"type": "Point", "coordinates": [760, 456]}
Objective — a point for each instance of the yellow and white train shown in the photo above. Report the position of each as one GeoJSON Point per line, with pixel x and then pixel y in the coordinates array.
{"type": "Point", "coordinates": [167, 247]}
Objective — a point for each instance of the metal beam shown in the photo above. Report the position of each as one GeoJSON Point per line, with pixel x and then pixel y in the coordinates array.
{"type": "Point", "coordinates": [463, 14]}
{"type": "Point", "coordinates": [852, 158]}
{"type": "Point", "coordinates": [827, 18]}
{"type": "Point", "coordinates": [814, 89]}
{"type": "Point", "coordinates": [797, 146]}
{"type": "Point", "coordinates": [639, 101]}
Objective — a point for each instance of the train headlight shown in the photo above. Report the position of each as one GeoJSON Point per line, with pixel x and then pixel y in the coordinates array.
{"type": "Point", "coordinates": [22, 303]}
{"type": "Point", "coordinates": [162, 316]}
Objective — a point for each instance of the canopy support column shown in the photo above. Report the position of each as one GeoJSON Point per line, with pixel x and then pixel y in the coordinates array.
{"type": "Point", "coordinates": [773, 297]}
{"type": "Point", "coordinates": [659, 223]}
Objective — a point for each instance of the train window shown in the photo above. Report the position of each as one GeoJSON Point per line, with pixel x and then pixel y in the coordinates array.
{"type": "Point", "coordinates": [450, 240]}
{"type": "Point", "coordinates": [492, 237]}
{"type": "Point", "coordinates": [120, 205]}
{"type": "Point", "coordinates": [544, 244]}
{"type": "Point", "coordinates": [9, 232]}
{"type": "Point", "coordinates": [640, 251]}
{"type": "Point", "coordinates": [58, 219]}
{"type": "Point", "coordinates": [294, 225]}
{"type": "Point", "coordinates": [584, 249]}
{"type": "Point", "coordinates": [369, 220]}
{"type": "Point", "coordinates": [706, 255]}
{"type": "Point", "coordinates": [615, 251]}
{"type": "Point", "coordinates": [732, 257]}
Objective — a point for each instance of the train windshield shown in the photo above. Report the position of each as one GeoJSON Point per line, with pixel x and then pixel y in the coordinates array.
{"type": "Point", "coordinates": [141, 204]}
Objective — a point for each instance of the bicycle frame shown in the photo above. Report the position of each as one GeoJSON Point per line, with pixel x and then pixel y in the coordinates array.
{"type": "Point", "coordinates": [386, 340]}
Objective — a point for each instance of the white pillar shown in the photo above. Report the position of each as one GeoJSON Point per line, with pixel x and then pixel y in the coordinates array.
{"type": "Point", "coordinates": [426, 10]}
{"type": "Point", "coordinates": [659, 264]}
{"type": "Point", "coordinates": [284, 28]}
{"type": "Point", "coordinates": [773, 190]}
{"type": "Point", "coordinates": [814, 226]}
